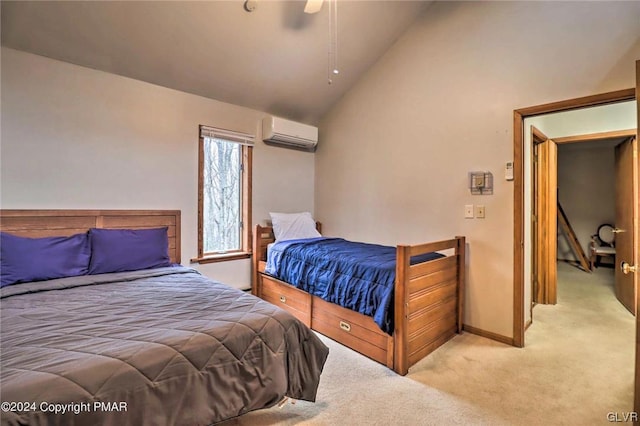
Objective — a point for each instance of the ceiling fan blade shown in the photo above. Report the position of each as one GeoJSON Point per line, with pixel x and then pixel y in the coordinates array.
{"type": "Point", "coordinates": [313, 6]}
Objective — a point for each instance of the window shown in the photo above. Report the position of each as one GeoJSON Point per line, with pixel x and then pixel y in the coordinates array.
{"type": "Point", "coordinates": [224, 194]}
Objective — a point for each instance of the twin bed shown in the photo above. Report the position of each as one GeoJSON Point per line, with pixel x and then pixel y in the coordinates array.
{"type": "Point", "coordinates": [393, 305]}
{"type": "Point", "coordinates": [165, 345]}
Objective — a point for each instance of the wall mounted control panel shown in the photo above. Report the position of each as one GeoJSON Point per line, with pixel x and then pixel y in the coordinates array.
{"type": "Point", "coordinates": [508, 170]}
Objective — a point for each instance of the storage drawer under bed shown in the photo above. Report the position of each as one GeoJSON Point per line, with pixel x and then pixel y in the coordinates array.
{"type": "Point", "coordinates": [352, 329]}
{"type": "Point", "coordinates": [287, 297]}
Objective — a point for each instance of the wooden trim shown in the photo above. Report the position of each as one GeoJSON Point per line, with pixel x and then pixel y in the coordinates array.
{"type": "Point", "coordinates": [577, 103]}
{"type": "Point", "coordinates": [636, 255]}
{"type": "Point", "coordinates": [85, 213]}
{"type": "Point", "coordinates": [200, 194]}
{"type": "Point", "coordinates": [461, 248]}
{"type": "Point", "coordinates": [518, 189]}
{"type": "Point", "coordinates": [537, 136]}
{"type": "Point", "coordinates": [489, 335]}
{"type": "Point", "coordinates": [247, 180]}
{"type": "Point", "coordinates": [596, 136]}
{"type": "Point", "coordinates": [37, 223]}
{"type": "Point", "coordinates": [221, 257]}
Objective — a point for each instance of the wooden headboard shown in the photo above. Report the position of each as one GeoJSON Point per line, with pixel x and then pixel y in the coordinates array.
{"type": "Point", "coordinates": [50, 223]}
{"type": "Point", "coordinates": [264, 236]}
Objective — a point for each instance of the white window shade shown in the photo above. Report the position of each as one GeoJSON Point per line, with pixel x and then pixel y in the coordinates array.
{"type": "Point", "coordinates": [227, 135]}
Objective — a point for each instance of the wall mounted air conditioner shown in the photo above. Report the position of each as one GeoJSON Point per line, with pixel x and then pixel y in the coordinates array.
{"type": "Point", "coordinates": [279, 131]}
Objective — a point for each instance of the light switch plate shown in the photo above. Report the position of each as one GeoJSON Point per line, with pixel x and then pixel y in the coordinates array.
{"type": "Point", "coordinates": [468, 211]}
{"type": "Point", "coordinates": [480, 212]}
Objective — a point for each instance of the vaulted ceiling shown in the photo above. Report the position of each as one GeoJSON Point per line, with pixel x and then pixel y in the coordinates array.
{"type": "Point", "coordinates": [273, 59]}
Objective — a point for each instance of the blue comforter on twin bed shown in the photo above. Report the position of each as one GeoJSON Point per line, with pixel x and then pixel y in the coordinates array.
{"type": "Point", "coordinates": [357, 276]}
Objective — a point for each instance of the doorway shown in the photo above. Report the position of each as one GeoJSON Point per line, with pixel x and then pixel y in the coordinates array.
{"type": "Point", "coordinates": [522, 208]}
{"type": "Point", "coordinates": [598, 189]}
{"type": "Point", "coordinates": [522, 201]}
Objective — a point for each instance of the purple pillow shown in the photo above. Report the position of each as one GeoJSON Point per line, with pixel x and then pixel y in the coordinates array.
{"type": "Point", "coordinates": [37, 259]}
{"type": "Point", "coordinates": [120, 250]}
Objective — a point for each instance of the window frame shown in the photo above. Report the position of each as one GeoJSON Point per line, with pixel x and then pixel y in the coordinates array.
{"type": "Point", "coordinates": [246, 178]}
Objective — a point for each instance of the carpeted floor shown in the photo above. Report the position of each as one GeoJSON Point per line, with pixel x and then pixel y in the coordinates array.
{"type": "Point", "coordinates": [577, 367]}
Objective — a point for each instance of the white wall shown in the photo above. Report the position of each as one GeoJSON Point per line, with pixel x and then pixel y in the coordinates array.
{"type": "Point", "coordinates": [76, 138]}
{"type": "Point", "coordinates": [395, 152]}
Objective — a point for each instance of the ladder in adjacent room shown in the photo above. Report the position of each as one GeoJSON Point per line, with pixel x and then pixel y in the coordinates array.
{"type": "Point", "coordinates": [573, 240]}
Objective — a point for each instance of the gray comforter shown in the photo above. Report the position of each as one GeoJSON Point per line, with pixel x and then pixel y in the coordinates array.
{"type": "Point", "coordinates": [156, 347]}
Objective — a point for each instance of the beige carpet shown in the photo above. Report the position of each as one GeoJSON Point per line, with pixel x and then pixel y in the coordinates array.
{"type": "Point", "coordinates": [577, 366]}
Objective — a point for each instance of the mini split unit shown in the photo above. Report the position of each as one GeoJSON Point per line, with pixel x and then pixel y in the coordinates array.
{"type": "Point", "coordinates": [279, 131]}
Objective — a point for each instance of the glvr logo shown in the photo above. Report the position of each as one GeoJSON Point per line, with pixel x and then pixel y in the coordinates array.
{"type": "Point", "coordinates": [625, 416]}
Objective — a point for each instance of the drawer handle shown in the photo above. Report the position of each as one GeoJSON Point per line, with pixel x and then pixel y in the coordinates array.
{"type": "Point", "coordinates": [345, 326]}
{"type": "Point", "coordinates": [283, 299]}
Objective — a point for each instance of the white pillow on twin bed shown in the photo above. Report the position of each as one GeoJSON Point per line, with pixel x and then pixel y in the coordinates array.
{"type": "Point", "coordinates": [293, 226]}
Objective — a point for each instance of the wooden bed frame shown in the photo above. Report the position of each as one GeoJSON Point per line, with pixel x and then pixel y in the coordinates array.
{"type": "Point", "coordinates": [429, 304]}
{"type": "Point", "coordinates": [52, 223]}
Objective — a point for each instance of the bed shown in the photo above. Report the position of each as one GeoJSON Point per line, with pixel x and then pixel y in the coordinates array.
{"type": "Point", "coordinates": [426, 307]}
{"type": "Point", "coordinates": [154, 346]}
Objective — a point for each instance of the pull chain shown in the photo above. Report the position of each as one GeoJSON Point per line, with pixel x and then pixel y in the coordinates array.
{"type": "Point", "coordinates": [332, 62]}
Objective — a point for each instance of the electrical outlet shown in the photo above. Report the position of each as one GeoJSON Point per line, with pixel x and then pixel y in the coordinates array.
{"type": "Point", "coordinates": [468, 211]}
{"type": "Point", "coordinates": [480, 212]}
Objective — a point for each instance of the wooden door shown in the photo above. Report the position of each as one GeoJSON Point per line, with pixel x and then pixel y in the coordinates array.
{"type": "Point", "coordinates": [626, 221]}
{"type": "Point", "coordinates": [545, 225]}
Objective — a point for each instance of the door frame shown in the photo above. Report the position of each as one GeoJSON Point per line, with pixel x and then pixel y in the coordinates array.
{"type": "Point", "coordinates": [519, 116]}
{"type": "Point", "coordinates": [636, 400]}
